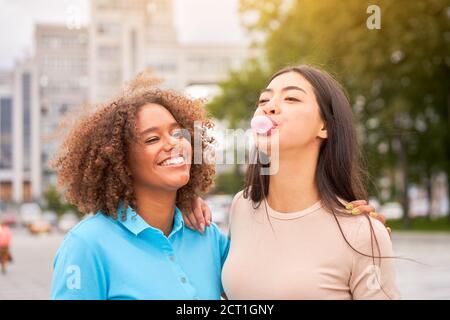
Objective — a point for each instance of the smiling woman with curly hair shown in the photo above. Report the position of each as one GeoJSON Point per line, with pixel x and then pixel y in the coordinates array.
{"type": "Point", "coordinates": [130, 162]}
{"type": "Point", "coordinates": [98, 150]}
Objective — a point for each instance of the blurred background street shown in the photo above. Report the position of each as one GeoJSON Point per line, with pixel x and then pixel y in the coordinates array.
{"type": "Point", "coordinates": [29, 277]}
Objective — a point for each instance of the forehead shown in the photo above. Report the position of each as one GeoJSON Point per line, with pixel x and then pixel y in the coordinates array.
{"type": "Point", "coordinates": [152, 114]}
{"type": "Point", "coordinates": [290, 79]}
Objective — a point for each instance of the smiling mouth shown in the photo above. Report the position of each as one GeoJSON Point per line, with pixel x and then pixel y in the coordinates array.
{"type": "Point", "coordinates": [173, 162]}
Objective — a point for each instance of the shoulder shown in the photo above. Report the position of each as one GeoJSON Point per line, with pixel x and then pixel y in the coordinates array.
{"type": "Point", "coordinates": [213, 240]}
{"type": "Point", "coordinates": [87, 233]}
{"type": "Point", "coordinates": [371, 226]}
{"type": "Point", "coordinates": [237, 205]}
{"type": "Point", "coordinates": [239, 195]}
{"type": "Point", "coordinates": [90, 227]}
{"type": "Point", "coordinates": [221, 242]}
{"type": "Point", "coordinates": [215, 233]}
{"type": "Point", "coordinates": [239, 202]}
{"type": "Point", "coordinates": [366, 233]}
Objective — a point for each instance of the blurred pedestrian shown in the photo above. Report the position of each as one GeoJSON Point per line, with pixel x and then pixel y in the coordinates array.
{"type": "Point", "coordinates": [5, 242]}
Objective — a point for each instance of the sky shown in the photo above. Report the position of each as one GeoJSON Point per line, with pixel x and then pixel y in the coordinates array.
{"type": "Point", "coordinates": [197, 21]}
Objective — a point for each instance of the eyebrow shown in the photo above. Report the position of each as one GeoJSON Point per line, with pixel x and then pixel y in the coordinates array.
{"type": "Point", "coordinates": [284, 89]}
{"type": "Point", "coordinates": [151, 129]}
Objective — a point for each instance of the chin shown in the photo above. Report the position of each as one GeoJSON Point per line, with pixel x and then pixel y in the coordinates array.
{"type": "Point", "coordinates": [265, 144]}
{"type": "Point", "coordinates": [178, 182]}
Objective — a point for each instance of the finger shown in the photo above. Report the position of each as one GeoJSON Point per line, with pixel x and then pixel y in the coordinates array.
{"type": "Point", "coordinates": [360, 210]}
{"type": "Point", "coordinates": [187, 222]}
{"type": "Point", "coordinates": [185, 216]}
{"type": "Point", "coordinates": [190, 223]}
{"type": "Point", "coordinates": [207, 213]}
{"type": "Point", "coordinates": [378, 216]}
{"type": "Point", "coordinates": [363, 209]}
{"type": "Point", "coordinates": [198, 215]}
{"type": "Point", "coordinates": [194, 214]}
{"type": "Point", "coordinates": [355, 204]}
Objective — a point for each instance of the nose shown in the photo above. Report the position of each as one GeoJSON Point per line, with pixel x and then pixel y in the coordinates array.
{"type": "Point", "coordinates": [271, 107]}
{"type": "Point", "coordinates": [171, 143]}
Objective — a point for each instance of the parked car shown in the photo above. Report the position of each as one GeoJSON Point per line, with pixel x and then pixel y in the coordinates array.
{"type": "Point", "coordinates": [51, 217]}
{"type": "Point", "coordinates": [29, 213]}
{"type": "Point", "coordinates": [67, 221]}
{"type": "Point", "coordinates": [40, 226]}
{"type": "Point", "coordinates": [10, 219]}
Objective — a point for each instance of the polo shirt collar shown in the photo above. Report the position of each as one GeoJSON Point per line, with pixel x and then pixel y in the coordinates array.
{"type": "Point", "coordinates": [136, 224]}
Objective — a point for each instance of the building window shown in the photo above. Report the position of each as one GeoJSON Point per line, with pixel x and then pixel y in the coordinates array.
{"type": "Point", "coordinates": [110, 29]}
{"type": "Point", "coordinates": [109, 52]}
{"type": "Point", "coordinates": [26, 100]}
{"type": "Point", "coordinates": [110, 76]}
{"type": "Point", "coordinates": [5, 133]}
{"type": "Point", "coordinates": [63, 109]}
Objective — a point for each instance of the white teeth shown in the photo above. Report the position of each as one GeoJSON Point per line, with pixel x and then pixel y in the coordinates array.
{"type": "Point", "coordinates": [172, 161]}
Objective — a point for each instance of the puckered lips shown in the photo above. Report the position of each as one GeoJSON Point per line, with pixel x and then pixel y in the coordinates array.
{"type": "Point", "coordinates": [274, 126]}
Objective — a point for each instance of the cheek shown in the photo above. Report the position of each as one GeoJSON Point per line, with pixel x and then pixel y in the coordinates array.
{"type": "Point", "coordinates": [258, 112]}
{"type": "Point", "coordinates": [143, 160]}
{"type": "Point", "coordinates": [300, 126]}
{"type": "Point", "coordinates": [148, 156]}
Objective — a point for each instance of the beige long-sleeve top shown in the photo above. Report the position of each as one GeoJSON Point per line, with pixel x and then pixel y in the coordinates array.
{"type": "Point", "coordinates": [303, 255]}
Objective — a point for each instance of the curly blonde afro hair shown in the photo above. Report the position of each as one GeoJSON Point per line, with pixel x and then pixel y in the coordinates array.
{"type": "Point", "coordinates": [91, 163]}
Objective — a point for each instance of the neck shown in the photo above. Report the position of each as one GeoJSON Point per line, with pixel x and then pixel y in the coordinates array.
{"type": "Point", "coordinates": [293, 187]}
{"type": "Point", "coordinates": [156, 207]}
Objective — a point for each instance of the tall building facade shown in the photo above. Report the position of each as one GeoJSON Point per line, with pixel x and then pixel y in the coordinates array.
{"type": "Point", "coordinates": [61, 57]}
{"type": "Point", "coordinates": [6, 136]}
{"type": "Point", "coordinates": [130, 36]}
{"type": "Point", "coordinates": [26, 138]}
{"type": "Point", "coordinates": [74, 66]}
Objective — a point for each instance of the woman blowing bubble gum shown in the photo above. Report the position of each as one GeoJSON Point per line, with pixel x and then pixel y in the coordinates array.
{"type": "Point", "coordinates": [292, 236]}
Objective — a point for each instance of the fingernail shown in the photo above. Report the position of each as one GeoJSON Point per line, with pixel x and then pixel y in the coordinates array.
{"type": "Point", "coordinates": [355, 211]}
{"type": "Point", "coordinates": [373, 214]}
{"type": "Point", "coordinates": [202, 227]}
{"type": "Point", "coordinates": [349, 206]}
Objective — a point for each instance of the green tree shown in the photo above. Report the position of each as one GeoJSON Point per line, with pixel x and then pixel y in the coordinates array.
{"type": "Point", "coordinates": [240, 94]}
{"type": "Point", "coordinates": [229, 183]}
{"type": "Point", "coordinates": [54, 202]}
{"type": "Point", "coordinates": [397, 77]}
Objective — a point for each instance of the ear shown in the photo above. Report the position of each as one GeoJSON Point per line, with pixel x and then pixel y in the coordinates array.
{"type": "Point", "coordinates": [323, 133]}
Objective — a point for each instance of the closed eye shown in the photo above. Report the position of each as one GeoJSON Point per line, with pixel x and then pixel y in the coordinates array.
{"type": "Point", "coordinates": [292, 99]}
{"type": "Point", "coordinates": [151, 140]}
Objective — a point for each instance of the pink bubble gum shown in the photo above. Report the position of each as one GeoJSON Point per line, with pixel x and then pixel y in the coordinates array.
{"type": "Point", "coordinates": [261, 124]}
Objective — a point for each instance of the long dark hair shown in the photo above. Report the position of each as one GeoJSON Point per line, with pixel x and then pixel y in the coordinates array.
{"type": "Point", "coordinates": [339, 175]}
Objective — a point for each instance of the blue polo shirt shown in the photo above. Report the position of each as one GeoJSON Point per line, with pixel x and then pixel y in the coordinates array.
{"type": "Point", "coordinates": [102, 258]}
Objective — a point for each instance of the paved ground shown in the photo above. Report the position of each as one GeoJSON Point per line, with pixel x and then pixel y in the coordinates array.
{"type": "Point", "coordinates": [416, 281]}
{"type": "Point", "coordinates": [30, 275]}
